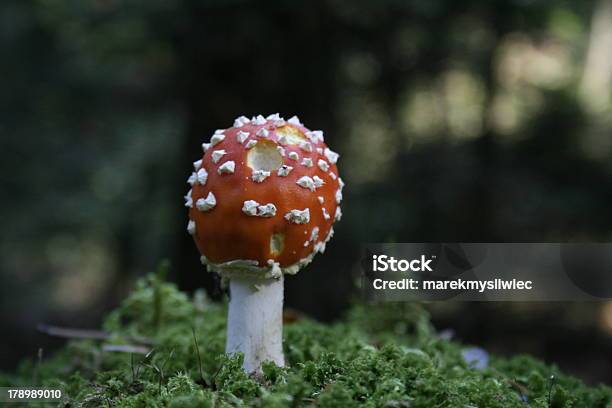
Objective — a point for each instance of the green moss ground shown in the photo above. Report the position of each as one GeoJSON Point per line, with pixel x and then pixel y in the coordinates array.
{"type": "Point", "coordinates": [380, 356]}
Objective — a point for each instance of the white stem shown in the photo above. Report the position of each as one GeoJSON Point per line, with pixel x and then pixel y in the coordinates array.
{"type": "Point", "coordinates": [255, 321]}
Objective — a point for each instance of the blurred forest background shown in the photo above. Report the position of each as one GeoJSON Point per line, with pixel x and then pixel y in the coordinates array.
{"type": "Point", "coordinates": [468, 120]}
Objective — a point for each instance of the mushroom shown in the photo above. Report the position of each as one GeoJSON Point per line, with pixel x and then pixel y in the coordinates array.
{"type": "Point", "coordinates": [260, 209]}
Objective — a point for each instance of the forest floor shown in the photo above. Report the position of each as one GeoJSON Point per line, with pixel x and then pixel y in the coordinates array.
{"type": "Point", "coordinates": [165, 349]}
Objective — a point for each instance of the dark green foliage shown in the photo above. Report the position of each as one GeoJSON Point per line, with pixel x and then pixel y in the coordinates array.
{"type": "Point", "coordinates": [383, 356]}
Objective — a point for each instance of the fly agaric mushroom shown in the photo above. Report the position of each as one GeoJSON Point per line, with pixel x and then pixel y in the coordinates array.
{"type": "Point", "coordinates": [262, 203]}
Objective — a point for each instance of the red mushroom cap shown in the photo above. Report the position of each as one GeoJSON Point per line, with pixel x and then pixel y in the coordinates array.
{"type": "Point", "coordinates": [264, 197]}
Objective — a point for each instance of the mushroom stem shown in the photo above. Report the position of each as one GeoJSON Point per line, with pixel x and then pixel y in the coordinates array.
{"type": "Point", "coordinates": [255, 321]}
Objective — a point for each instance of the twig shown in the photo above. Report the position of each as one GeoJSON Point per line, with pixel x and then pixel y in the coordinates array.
{"type": "Point", "coordinates": [126, 348]}
{"type": "Point", "coordinates": [74, 333]}
{"type": "Point", "coordinates": [195, 340]}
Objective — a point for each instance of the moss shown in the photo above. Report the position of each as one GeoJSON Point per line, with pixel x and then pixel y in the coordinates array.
{"type": "Point", "coordinates": [381, 356]}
